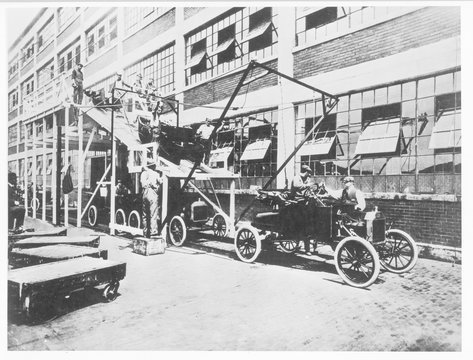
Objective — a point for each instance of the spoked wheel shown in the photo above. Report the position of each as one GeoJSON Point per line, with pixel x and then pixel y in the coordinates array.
{"type": "Point", "coordinates": [399, 252]}
{"type": "Point", "coordinates": [120, 218]}
{"type": "Point", "coordinates": [247, 244]}
{"type": "Point", "coordinates": [35, 204]}
{"type": "Point", "coordinates": [92, 215]}
{"type": "Point", "coordinates": [177, 231]}
{"type": "Point", "coordinates": [289, 246]}
{"type": "Point", "coordinates": [219, 226]}
{"type": "Point", "coordinates": [110, 292]}
{"type": "Point", "coordinates": [134, 219]}
{"type": "Point", "coordinates": [357, 262]}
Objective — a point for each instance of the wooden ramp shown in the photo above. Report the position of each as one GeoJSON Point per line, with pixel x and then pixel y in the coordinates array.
{"type": "Point", "coordinates": [37, 241]}
{"type": "Point", "coordinates": [45, 254]}
{"type": "Point", "coordinates": [61, 231]}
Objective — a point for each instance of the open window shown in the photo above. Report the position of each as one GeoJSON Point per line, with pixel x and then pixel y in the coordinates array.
{"type": "Point", "coordinates": [220, 157]}
{"type": "Point", "coordinates": [198, 60]}
{"type": "Point", "coordinates": [321, 17]}
{"type": "Point", "coordinates": [261, 27]}
{"type": "Point", "coordinates": [226, 45]}
{"type": "Point", "coordinates": [446, 133]}
{"type": "Point", "coordinates": [324, 143]}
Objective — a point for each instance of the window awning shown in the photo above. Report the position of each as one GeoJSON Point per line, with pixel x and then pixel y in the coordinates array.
{"type": "Point", "coordinates": [221, 154]}
{"type": "Point", "coordinates": [222, 47]}
{"type": "Point", "coordinates": [256, 150]}
{"type": "Point", "coordinates": [196, 59]}
{"type": "Point", "coordinates": [320, 146]}
{"type": "Point", "coordinates": [257, 31]}
{"type": "Point", "coordinates": [446, 132]}
{"type": "Point", "coordinates": [379, 137]}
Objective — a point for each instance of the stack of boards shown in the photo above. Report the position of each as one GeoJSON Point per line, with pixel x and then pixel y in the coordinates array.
{"type": "Point", "coordinates": [47, 266]}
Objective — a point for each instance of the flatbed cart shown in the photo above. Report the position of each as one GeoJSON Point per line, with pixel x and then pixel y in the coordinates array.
{"type": "Point", "coordinates": [35, 289]}
{"type": "Point", "coordinates": [37, 241]}
{"type": "Point", "coordinates": [14, 238]}
{"type": "Point", "coordinates": [46, 254]}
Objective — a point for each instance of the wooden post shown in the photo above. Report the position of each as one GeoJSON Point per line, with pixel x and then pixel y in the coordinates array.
{"type": "Point", "coordinates": [55, 179]}
{"type": "Point", "coordinates": [232, 206]}
{"type": "Point", "coordinates": [80, 168]}
{"type": "Point", "coordinates": [66, 162]}
{"type": "Point", "coordinates": [164, 202]}
{"type": "Point", "coordinates": [43, 200]}
{"type": "Point", "coordinates": [114, 170]}
{"type": "Point", "coordinates": [34, 161]}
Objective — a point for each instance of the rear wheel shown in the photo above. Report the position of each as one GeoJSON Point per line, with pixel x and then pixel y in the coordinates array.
{"type": "Point", "coordinates": [92, 215]}
{"type": "Point", "coordinates": [219, 226]}
{"type": "Point", "coordinates": [289, 246]}
{"type": "Point", "coordinates": [399, 252]}
{"type": "Point", "coordinates": [134, 219]}
{"type": "Point", "coordinates": [247, 244]}
{"type": "Point", "coordinates": [120, 218]}
{"type": "Point", "coordinates": [177, 231]}
{"type": "Point", "coordinates": [357, 262]}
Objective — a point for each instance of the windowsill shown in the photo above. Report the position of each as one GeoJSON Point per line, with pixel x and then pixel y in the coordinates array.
{"type": "Point", "coordinates": [45, 46]}
{"type": "Point", "coordinates": [145, 24]}
{"type": "Point", "coordinates": [231, 72]}
{"type": "Point", "coordinates": [26, 64]}
{"type": "Point", "coordinates": [353, 30]}
{"type": "Point", "coordinates": [104, 50]}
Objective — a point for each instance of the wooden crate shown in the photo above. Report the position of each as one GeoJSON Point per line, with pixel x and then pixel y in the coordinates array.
{"type": "Point", "coordinates": [145, 246]}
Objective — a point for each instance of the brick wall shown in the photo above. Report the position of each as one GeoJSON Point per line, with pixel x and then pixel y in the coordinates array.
{"type": "Point", "coordinates": [216, 90]}
{"type": "Point", "coordinates": [191, 11]}
{"type": "Point", "coordinates": [431, 222]}
{"type": "Point", "coordinates": [150, 31]}
{"type": "Point", "coordinates": [416, 29]}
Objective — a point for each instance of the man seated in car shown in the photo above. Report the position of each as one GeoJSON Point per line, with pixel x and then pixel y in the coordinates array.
{"type": "Point", "coordinates": [349, 194]}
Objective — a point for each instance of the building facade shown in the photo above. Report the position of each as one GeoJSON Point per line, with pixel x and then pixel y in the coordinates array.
{"type": "Point", "coordinates": [396, 71]}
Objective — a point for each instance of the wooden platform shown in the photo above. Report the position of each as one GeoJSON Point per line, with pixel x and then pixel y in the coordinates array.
{"type": "Point", "coordinates": [60, 231]}
{"type": "Point", "coordinates": [32, 287]}
{"type": "Point", "coordinates": [45, 254]}
{"type": "Point", "coordinates": [37, 241]}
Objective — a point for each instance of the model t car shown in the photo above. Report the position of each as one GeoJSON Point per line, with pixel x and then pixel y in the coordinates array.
{"type": "Point", "coordinates": [360, 241]}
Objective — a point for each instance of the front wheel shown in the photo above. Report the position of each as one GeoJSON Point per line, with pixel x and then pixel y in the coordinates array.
{"type": "Point", "coordinates": [219, 226]}
{"type": "Point", "coordinates": [357, 262]}
{"type": "Point", "coordinates": [399, 252]}
{"type": "Point", "coordinates": [110, 292]}
{"type": "Point", "coordinates": [120, 218]}
{"type": "Point", "coordinates": [247, 244]}
{"type": "Point", "coordinates": [134, 219]}
{"type": "Point", "coordinates": [177, 231]}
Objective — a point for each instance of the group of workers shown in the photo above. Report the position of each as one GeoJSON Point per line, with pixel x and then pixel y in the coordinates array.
{"type": "Point", "coordinates": [349, 194]}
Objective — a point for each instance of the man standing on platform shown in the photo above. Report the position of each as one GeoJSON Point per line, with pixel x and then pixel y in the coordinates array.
{"type": "Point", "coordinates": [77, 84]}
{"type": "Point", "coordinates": [151, 182]}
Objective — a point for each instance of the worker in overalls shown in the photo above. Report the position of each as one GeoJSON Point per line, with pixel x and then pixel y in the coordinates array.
{"type": "Point", "coordinates": [151, 185]}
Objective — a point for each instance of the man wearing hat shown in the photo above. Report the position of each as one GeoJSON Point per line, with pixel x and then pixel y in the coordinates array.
{"type": "Point", "coordinates": [138, 84]}
{"type": "Point", "coordinates": [150, 183]}
{"type": "Point", "coordinates": [77, 84]}
{"type": "Point", "coordinates": [349, 194]}
{"type": "Point", "coordinates": [16, 213]}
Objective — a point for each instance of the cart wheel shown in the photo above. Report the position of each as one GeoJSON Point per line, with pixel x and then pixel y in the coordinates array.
{"type": "Point", "coordinates": [289, 246]}
{"type": "Point", "coordinates": [92, 215]}
{"type": "Point", "coordinates": [120, 217]}
{"type": "Point", "coordinates": [134, 219]}
{"type": "Point", "coordinates": [247, 244]}
{"type": "Point", "coordinates": [219, 226]}
{"type": "Point", "coordinates": [110, 292]}
{"type": "Point", "coordinates": [357, 262]}
{"type": "Point", "coordinates": [35, 204]}
{"type": "Point", "coordinates": [177, 231]}
{"type": "Point", "coordinates": [399, 252]}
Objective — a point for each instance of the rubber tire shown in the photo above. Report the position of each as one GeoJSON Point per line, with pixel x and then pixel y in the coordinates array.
{"type": "Point", "coordinates": [376, 264]}
{"type": "Point", "coordinates": [110, 292]}
{"type": "Point", "coordinates": [138, 219]}
{"type": "Point", "coordinates": [256, 239]}
{"type": "Point", "coordinates": [92, 211]}
{"type": "Point", "coordinates": [218, 218]}
{"type": "Point", "coordinates": [286, 250]}
{"type": "Point", "coordinates": [35, 201]}
{"type": "Point", "coordinates": [177, 221]}
{"type": "Point", "coordinates": [412, 245]}
{"type": "Point", "coordinates": [123, 216]}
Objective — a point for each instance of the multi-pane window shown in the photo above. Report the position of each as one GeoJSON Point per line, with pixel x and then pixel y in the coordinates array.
{"type": "Point", "coordinates": [45, 74]}
{"type": "Point", "coordinates": [12, 135]}
{"type": "Point", "coordinates": [411, 129]}
{"type": "Point", "coordinates": [12, 68]}
{"type": "Point", "coordinates": [27, 52]}
{"type": "Point", "coordinates": [101, 36]}
{"type": "Point", "coordinates": [158, 66]}
{"type": "Point", "coordinates": [137, 17]}
{"type": "Point", "coordinates": [64, 14]}
{"type": "Point", "coordinates": [12, 100]}
{"type": "Point", "coordinates": [248, 145]}
{"type": "Point", "coordinates": [230, 42]}
{"type": "Point", "coordinates": [45, 34]}
{"type": "Point", "coordinates": [27, 87]}
{"type": "Point", "coordinates": [69, 58]}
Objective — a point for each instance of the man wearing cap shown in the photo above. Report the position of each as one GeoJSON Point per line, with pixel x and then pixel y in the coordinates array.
{"type": "Point", "coordinates": [349, 194]}
{"type": "Point", "coordinates": [16, 213]}
{"type": "Point", "coordinates": [77, 84]}
{"type": "Point", "coordinates": [150, 183]}
{"type": "Point", "coordinates": [138, 84]}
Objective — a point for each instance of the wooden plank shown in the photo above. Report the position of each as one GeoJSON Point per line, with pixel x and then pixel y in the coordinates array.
{"type": "Point", "coordinates": [92, 241]}
{"type": "Point", "coordinates": [51, 232]}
